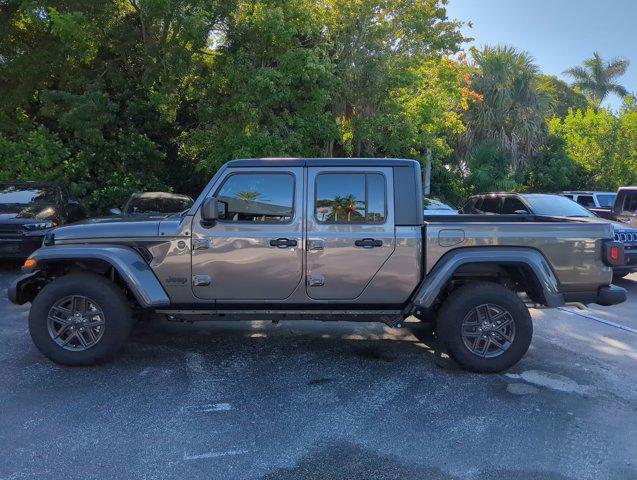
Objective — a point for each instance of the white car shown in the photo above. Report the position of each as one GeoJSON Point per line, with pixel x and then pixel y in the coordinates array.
{"type": "Point", "coordinates": [436, 207]}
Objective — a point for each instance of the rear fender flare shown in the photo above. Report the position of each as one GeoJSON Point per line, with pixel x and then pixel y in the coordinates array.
{"type": "Point", "coordinates": [436, 280]}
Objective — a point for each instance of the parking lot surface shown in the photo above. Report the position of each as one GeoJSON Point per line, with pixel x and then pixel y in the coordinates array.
{"type": "Point", "coordinates": [307, 400]}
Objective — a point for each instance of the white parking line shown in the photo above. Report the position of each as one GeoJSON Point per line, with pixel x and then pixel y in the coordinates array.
{"type": "Point", "coordinates": [600, 320]}
{"type": "Point", "coordinates": [202, 456]}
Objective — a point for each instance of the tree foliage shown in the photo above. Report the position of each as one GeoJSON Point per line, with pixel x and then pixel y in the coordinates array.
{"type": "Point", "coordinates": [598, 77]}
{"type": "Point", "coordinates": [513, 108]}
{"type": "Point", "coordinates": [110, 97]}
{"type": "Point", "coordinates": [601, 144]}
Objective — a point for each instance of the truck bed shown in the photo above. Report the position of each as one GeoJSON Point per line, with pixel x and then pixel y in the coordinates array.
{"type": "Point", "coordinates": [572, 246]}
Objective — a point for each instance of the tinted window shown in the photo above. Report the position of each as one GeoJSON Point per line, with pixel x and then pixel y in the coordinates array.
{"type": "Point", "coordinates": [491, 204]}
{"type": "Point", "coordinates": [27, 195]}
{"type": "Point", "coordinates": [257, 197]}
{"type": "Point", "coordinates": [350, 198]}
{"type": "Point", "coordinates": [158, 204]}
{"type": "Point", "coordinates": [556, 206]}
{"type": "Point", "coordinates": [630, 204]}
{"type": "Point", "coordinates": [511, 205]}
{"type": "Point", "coordinates": [586, 200]}
{"type": "Point", "coordinates": [606, 200]}
{"type": "Point", "coordinates": [475, 205]}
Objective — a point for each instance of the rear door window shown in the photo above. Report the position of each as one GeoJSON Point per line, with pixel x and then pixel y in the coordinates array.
{"type": "Point", "coordinates": [512, 205]}
{"type": "Point", "coordinates": [350, 198]}
{"type": "Point", "coordinates": [491, 204]}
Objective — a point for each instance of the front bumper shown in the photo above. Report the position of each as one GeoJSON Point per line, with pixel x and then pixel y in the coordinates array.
{"type": "Point", "coordinates": [21, 289]}
{"type": "Point", "coordinates": [19, 246]}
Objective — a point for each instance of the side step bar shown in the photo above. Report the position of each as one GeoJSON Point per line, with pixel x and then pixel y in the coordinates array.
{"type": "Point", "coordinates": [392, 318]}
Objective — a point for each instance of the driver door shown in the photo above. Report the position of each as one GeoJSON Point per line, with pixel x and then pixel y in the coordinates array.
{"type": "Point", "coordinates": [254, 251]}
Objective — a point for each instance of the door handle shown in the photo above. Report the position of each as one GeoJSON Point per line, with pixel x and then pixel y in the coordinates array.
{"type": "Point", "coordinates": [283, 243]}
{"type": "Point", "coordinates": [315, 244]}
{"type": "Point", "coordinates": [368, 243]}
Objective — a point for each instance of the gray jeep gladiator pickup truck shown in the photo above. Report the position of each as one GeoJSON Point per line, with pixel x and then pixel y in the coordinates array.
{"type": "Point", "coordinates": [325, 239]}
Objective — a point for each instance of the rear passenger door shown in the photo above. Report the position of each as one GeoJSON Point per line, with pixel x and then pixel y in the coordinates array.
{"type": "Point", "coordinates": [350, 229]}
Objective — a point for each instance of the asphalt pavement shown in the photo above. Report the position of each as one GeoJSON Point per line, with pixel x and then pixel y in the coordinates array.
{"type": "Point", "coordinates": [312, 400]}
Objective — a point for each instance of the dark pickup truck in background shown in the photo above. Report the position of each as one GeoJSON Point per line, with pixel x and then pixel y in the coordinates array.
{"type": "Point", "coordinates": [28, 210]}
{"type": "Point", "coordinates": [551, 205]}
{"type": "Point", "coordinates": [323, 239]}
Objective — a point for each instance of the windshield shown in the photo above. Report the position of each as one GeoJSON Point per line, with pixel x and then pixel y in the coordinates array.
{"type": "Point", "coordinates": [606, 200]}
{"type": "Point", "coordinates": [158, 205]}
{"type": "Point", "coordinates": [556, 206]}
{"type": "Point", "coordinates": [27, 195]}
{"type": "Point", "coordinates": [431, 204]}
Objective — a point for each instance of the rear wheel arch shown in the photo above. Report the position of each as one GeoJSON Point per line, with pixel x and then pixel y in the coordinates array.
{"type": "Point", "coordinates": [520, 269]}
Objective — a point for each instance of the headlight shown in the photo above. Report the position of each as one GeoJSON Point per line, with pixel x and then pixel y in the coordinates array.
{"type": "Point", "coordinates": [39, 226]}
{"type": "Point", "coordinates": [48, 212]}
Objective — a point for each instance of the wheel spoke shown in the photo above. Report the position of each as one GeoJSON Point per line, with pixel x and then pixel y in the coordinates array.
{"type": "Point", "coordinates": [79, 304]}
{"type": "Point", "coordinates": [91, 336]}
{"type": "Point", "coordinates": [57, 310]}
{"type": "Point", "coordinates": [62, 331]}
{"type": "Point", "coordinates": [95, 323]}
{"type": "Point", "coordinates": [496, 342]}
{"type": "Point", "coordinates": [502, 333]}
{"type": "Point", "coordinates": [485, 347]}
{"type": "Point", "coordinates": [61, 321]}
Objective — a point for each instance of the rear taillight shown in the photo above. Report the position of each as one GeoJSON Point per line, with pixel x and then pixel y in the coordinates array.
{"type": "Point", "coordinates": [613, 254]}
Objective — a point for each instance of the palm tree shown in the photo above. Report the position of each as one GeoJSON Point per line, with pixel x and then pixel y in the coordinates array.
{"type": "Point", "coordinates": [513, 108]}
{"type": "Point", "coordinates": [248, 196]}
{"type": "Point", "coordinates": [597, 77]}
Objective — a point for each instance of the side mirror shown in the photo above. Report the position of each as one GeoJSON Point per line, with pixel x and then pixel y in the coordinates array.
{"type": "Point", "coordinates": [115, 211]}
{"type": "Point", "coordinates": [521, 212]}
{"type": "Point", "coordinates": [210, 210]}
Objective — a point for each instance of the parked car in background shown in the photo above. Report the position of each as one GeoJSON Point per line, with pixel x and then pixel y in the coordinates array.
{"type": "Point", "coordinates": [624, 209]}
{"type": "Point", "coordinates": [548, 205]}
{"type": "Point", "coordinates": [28, 210]}
{"type": "Point", "coordinates": [154, 203]}
{"type": "Point", "coordinates": [600, 203]}
{"type": "Point", "coordinates": [436, 207]}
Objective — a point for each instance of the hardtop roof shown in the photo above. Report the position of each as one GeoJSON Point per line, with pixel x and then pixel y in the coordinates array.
{"type": "Point", "coordinates": [321, 162]}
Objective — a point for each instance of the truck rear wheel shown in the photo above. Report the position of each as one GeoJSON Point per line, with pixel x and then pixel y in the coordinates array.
{"type": "Point", "coordinates": [80, 319]}
{"type": "Point", "coordinates": [485, 327]}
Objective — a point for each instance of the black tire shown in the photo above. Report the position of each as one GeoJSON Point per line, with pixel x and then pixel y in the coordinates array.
{"type": "Point", "coordinates": [118, 320]}
{"type": "Point", "coordinates": [461, 303]}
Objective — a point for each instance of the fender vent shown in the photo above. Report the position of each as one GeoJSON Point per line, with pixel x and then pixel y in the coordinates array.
{"type": "Point", "coordinates": [146, 255]}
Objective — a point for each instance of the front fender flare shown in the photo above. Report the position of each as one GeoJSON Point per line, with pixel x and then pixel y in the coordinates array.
{"type": "Point", "coordinates": [136, 273]}
{"type": "Point", "coordinates": [441, 273]}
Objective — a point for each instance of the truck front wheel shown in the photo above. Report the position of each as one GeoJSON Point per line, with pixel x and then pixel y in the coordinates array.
{"type": "Point", "coordinates": [80, 319]}
{"type": "Point", "coordinates": [485, 327]}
